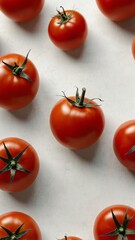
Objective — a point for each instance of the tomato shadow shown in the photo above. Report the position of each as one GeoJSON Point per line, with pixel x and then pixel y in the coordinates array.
{"type": "Point", "coordinates": [87, 154]}
{"type": "Point", "coordinates": [127, 25]}
{"type": "Point", "coordinates": [76, 53]}
{"type": "Point", "coordinates": [24, 113]}
{"type": "Point", "coordinates": [26, 195]}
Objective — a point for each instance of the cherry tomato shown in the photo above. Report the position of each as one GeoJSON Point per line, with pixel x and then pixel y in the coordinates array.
{"type": "Point", "coordinates": [117, 10]}
{"type": "Point", "coordinates": [76, 122]}
{"type": "Point", "coordinates": [71, 238]}
{"type": "Point", "coordinates": [19, 81]}
{"type": "Point", "coordinates": [19, 164]}
{"type": "Point", "coordinates": [22, 10]}
{"type": "Point", "coordinates": [133, 47]}
{"type": "Point", "coordinates": [68, 29]}
{"type": "Point", "coordinates": [18, 225]}
{"type": "Point", "coordinates": [124, 144]}
{"type": "Point", "coordinates": [115, 222]}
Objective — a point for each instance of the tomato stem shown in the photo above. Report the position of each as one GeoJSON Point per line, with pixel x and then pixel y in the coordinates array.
{"type": "Point", "coordinates": [12, 163]}
{"type": "Point", "coordinates": [63, 16]}
{"type": "Point", "coordinates": [18, 70]}
{"type": "Point", "coordinates": [82, 97]}
{"type": "Point", "coordinates": [80, 102]}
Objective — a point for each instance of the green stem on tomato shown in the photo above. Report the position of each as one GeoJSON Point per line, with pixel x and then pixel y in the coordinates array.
{"type": "Point", "coordinates": [63, 16]}
{"type": "Point", "coordinates": [18, 70]}
{"type": "Point", "coordinates": [81, 102]}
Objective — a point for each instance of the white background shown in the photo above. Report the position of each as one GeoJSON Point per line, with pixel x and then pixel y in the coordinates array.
{"type": "Point", "coordinates": [72, 186]}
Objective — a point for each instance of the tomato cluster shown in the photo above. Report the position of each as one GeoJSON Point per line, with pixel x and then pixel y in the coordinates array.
{"type": "Point", "coordinates": [76, 122]}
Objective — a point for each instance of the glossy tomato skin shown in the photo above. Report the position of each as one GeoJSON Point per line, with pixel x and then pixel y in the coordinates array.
{"type": "Point", "coordinates": [29, 160]}
{"type": "Point", "coordinates": [22, 10]}
{"type": "Point", "coordinates": [17, 92]}
{"type": "Point", "coordinates": [74, 127]}
{"type": "Point", "coordinates": [117, 10]}
{"type": "Point", "coordinates": [104, 222]}
{"type": "Point", "coordinates": [71, 238]}
{"type": "Point", "coordinates": [69, 35]}
{"type": "Point", "coordinates": [12, 220]}
{"type": "Point", "coordinates": [133, 47]}
{"type": "Point", "coordinates": [123, 141]}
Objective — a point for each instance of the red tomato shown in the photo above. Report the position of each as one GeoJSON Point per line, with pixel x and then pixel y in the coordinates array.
{"type": "Point", "coordinates": [19, 81]}
{"type": "Point", "coordinates": [68, 29]}
{"type": "Point", "coordinates": [71, 238]}
{"type": "Point", "coordinates": [123, 144]}
{"type": "Point", "coordinates": [115, 222]}
{"type": "Point", "coordinates": [19, 164]}
{"type": "Point", "coordinates": [22, 10]}
{"type": "Point", "coordinates": [76, 122]}
{"type": "Point", "coordinates": [18, 225]}
{"type": "Point", "coordinates": [133, 47]}
{"type": "Point", "coordinates": [117, 10]}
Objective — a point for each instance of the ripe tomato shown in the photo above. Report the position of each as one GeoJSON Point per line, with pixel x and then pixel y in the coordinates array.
{"type": "Point", "coordinates": [115, 222]}
{"type": "Point", "coordinates": [76, 122]}
{"type": "Point", "coordinates": [19, 81]}
{"type": "Point", "coordinates": [71, 238]}
{"type": "Point", "coordinates": [133, 47]}
{"type": "Point", "coordinates": [124, 144]}
{"type": "Point", "coordinates": [18, 225]}
{"type": "Point", "coordinates": [22, 10]}
{"type": "Point", "coordinates": [19, 164]}
{"type": "Point", "coordinates": [117, 10]}
{"type": "Point", "coordinates": [68, 29]}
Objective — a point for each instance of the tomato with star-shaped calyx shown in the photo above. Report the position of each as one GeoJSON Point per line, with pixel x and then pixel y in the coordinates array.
{"type": "Point", "coordinates": [19, 164]}
{"type": "Point", "coordinates": [115, 222]}
{"type": "Point", "coordinates": [19, 81]}
{"type": "Point", "coordinates": [77, 122]}
{"type": "Point", "coordinates": [18, 226]}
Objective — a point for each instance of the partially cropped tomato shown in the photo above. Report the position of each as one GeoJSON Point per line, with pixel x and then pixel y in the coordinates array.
{"type": "Point", "coordinates": [68, 29]}
{"type": "Point", "coordinates": [114, 223]}
{"type": "Point", "coordinates": [22, 10]}
{"type": "Point", "coordinates": [117, 10]}
{"type": "Point", "coordinates": [19, 164]}
{"type": "Point", "coordinates": [70, 238]}
{"type": "Point", "coordinates": [124, 144]}
{"type": "Point", "coordinates": [76, 122]}
{"type": "Point", "coordinates": [19, 81]}
{"type": "Point", "coordinates": [133, 47]}
{"type": "Point", "coordinates": [18, 226]}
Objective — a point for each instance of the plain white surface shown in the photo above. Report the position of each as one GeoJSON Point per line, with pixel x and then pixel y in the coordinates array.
{"type": "Point", "coordinates": [72, 186]}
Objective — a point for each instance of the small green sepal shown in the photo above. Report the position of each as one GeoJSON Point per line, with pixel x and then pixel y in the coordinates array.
{"type": "Point", "coordinates": [18, 70]}
{"type": "Point", "coordinates": [80, 101]}
{"type": "Point", "coordinates": [63, 16]}
{"type": "Point", "coordinates": [121, 230]}
{"type": "Point", "coordinates": [12, 163]}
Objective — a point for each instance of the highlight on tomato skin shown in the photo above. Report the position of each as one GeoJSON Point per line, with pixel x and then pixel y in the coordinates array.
{"type": "Point", "coordinates": [117, 10]}
{"type": "Point", "coordinates": [133, 47]}
{"type": "Point", "coordinates": [68, 29]}
{"type": "Point", "coordinates": [18, 225]}
{"type": "Point", "coordinates": [115, 222]}
{"type": "Point", "coordinates": [124, 144]}
{"type": "Point", "coordinates": [22, 10]}
{"type": "Point", "coordinates": [77, 122]}
{"type": "Point", "coordinates": [19, 164]}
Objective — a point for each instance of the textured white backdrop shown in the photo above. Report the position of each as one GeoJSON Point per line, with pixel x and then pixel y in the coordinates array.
{"type": "Point", "coordinates": [72, 186]}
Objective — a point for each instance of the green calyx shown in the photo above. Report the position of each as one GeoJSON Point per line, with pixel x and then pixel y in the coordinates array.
{"type": "Point", "coordinates": [12, 163]}
{"type": "Point", "coordinates": [14, 235]}
{"type": "Point", "coordinates": [122, 231]}
{"type": "Point", "coordinates": [18, 70]}
{"type": "Point", "coordinates": [131, 150]}
{"type": "Point", "coordinates": [63, 16]}
{"type": "Point", "coordinates": [80, 101]}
